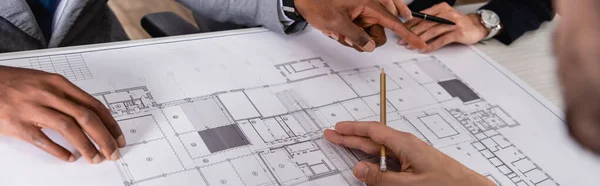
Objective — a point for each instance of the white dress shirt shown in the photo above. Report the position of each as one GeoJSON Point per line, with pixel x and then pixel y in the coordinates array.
{"type": "Point", "coordinates": [59, 11]}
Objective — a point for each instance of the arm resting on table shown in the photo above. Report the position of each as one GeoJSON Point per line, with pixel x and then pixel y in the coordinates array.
{"type": "Point", "coordinates": [520, 16]}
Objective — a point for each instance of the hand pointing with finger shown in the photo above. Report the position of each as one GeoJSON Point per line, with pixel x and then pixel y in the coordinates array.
{"type": "Point", "coordinates": [347, 19]}
{"type": "Point", "coordinates": [421, 164]}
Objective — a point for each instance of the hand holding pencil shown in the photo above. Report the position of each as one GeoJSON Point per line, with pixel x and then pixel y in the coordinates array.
{"type": "Point", "coordinates": [421, 164]}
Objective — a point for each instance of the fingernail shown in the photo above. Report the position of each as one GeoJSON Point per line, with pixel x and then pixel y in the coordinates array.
{"type": "Point", "coordinates": [401, 42]}
{"type": "Point", "coordinates": [334, 36]}
{"type": "Point", "coordinates": [409, 47]}
{"type": "Point", "coordinates": [121, 141]}
{"type": "Point", "coordinates": [361, 171]}
{"type": "Point", "coordinates": [77, 154]}
{"type": "Point", "coordinates": [72, 158]}
{"type": "Point", "coordinates": [409, 16]}
{"type": "Point", "coordinates": [348, 41]}
{"type": "Point", "coordinates": [334, 138]}
{"type": "Point", "coordinates": [422, 50]}
{"type": "Point", "coordinates": [97, 159]}
{"type": "Point", "coordinates": [370, 46]}
{"type": "Point", "coordinates": [115, 155]}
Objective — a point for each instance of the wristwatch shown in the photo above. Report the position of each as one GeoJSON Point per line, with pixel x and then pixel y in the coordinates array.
{"type": "Point", "coordinates": [491, 21]}
{"type": "Point", "coordinates": [289, 9]}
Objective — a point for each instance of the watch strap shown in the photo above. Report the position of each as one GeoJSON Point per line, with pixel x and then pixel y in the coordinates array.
{"type": "Point", "coordinates": [289, 9]}
{"type": "Point", "coordinates": [493, 32]}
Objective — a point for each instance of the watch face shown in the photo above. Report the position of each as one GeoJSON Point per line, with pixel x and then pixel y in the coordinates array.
{"type": "Point", "coordinates": [490, 18]}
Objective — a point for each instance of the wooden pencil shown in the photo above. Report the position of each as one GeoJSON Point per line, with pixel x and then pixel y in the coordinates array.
{"type": "Point", "coordinates": [382, 114]}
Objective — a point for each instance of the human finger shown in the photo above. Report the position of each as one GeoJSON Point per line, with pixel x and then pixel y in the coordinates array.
{"type": "Point", "coordinates": [435, 31]}
{"type": "Point", "coordinates": [336, 37]}
{"type": "Point", "coordinates": [89, 122]}
{"type": "Point", "coordinates": [441, 42]}
{"type": "Point", "coordinates": [394, 140]}
{"type": "Point", "coordinates": [377, 33]}
{"type": "Point", "coordinates": [390, 6]}
{"type": "Point", "coordinates": [401, 42]}
{"type": "Point", "coordinates": [403, 9]}
{"type": "Point", "coordinates": [342, 40]}
{"type": "Point", "coordinates": [364, 144]}
{"type": "Point", "coordinates": [411, 23]}
{"type": "Point", "coordinates": [354, 35]}
{"type": "Point", "coordinates": [355, 142]}
{"type": "Point", "coordinates": [423, 26]}
{"type": "Point", "coordinates": [371, 174]}
{"type": "Point", "coordinates": [34, 136]}
{"type": "Point", "coordinates": [388, 20]}
{"type": "Point", "coordinates": [434, 10]}
{"type": "Point", "coordinates": [70, 130]}
{"type": "Point", "coordinates": [92, 104]}
{"type": "Point", "coordinates": [346, 42]}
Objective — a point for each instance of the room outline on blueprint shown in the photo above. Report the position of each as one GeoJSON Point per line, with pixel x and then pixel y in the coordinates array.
{"type": "Point", "coordinates": [271, 134]}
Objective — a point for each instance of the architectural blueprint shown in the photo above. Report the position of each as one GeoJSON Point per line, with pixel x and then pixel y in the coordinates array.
{"type": "Point", "coordinates": [248, 108]}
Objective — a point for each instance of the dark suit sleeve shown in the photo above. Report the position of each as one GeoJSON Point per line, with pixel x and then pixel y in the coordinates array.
{"type": "Point", "coordinates": [520, 16]}
{"type": "Point", "coordinates": [420, 5]}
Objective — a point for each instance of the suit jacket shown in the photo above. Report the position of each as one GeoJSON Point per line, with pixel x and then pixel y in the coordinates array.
{"type": "Point", "coordinates": [82, 22]}
{"type": "Point", "coordinates": [520, 16]}
{"type": "Point", "coordinates": [516, 16]}
{"type": "Point", "coordinates": [216, 15]}
{"type": "Point", "coordinates": [419, 5]}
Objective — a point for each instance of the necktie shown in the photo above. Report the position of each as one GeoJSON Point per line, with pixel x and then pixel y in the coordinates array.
{"type": "Point", "coordinates": [49, 5]}
{"type": "Point", "coordinates": [44, 10]}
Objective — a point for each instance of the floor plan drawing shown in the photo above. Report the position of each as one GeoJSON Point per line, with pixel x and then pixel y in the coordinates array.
{"type": "Point", "coordinates": [207, 110]}
{"type": "Point", "coordinates": [126, 101]}
{"type": "Point", "coordinates": [264, 136]}
{"type": "Point", "coordinates": [71, 66]}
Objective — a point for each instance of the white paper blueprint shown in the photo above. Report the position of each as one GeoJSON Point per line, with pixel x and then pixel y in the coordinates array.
{"type": "Point", "coordinates": [248, 108]}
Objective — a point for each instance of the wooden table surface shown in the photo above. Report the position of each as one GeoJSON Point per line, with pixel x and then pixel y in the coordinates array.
{"type": "Point", "coordinates": [130, 13]}
{"type": "Point", "coordinates": [531, 59]}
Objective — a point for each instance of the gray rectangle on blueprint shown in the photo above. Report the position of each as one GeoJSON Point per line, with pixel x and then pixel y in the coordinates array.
{"type": "Point", "coordinates": [222, 138]}
{"type": "Point", "coordinates": [457, 88]}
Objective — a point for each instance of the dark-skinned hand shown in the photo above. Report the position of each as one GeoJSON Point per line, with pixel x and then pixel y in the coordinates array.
{"type": "Point", "coordinates": [31, 100]}
{"type": "Point", "coordinates": [357, 23]}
